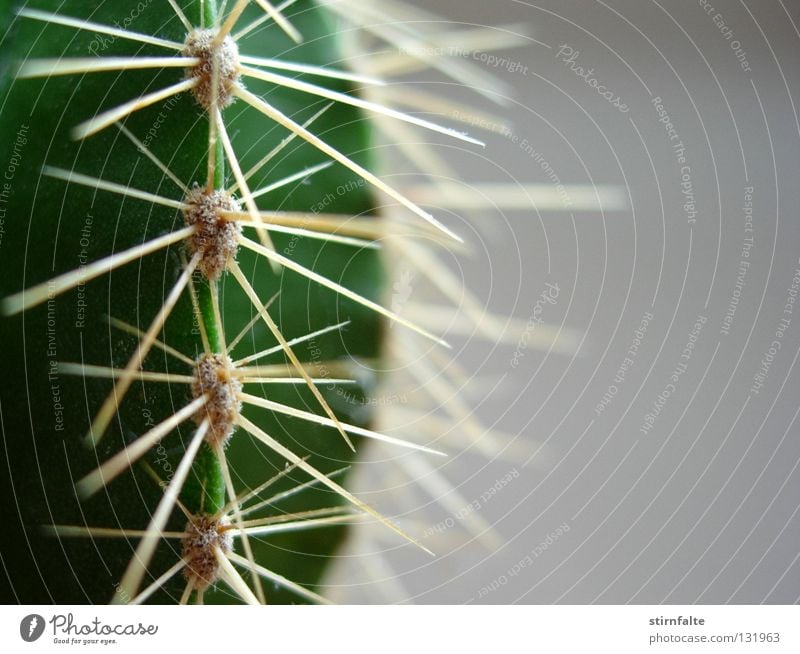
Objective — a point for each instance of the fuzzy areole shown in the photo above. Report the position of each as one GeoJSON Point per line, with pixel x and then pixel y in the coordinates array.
{"type": "Point", "coordinates": [214, 378]}
{"type": "Point", "coordinates": [201, 43]}
{"type": "Point", "coordinates": [204, 536]}
{"type": "Point", "coordinates": [216, 238]}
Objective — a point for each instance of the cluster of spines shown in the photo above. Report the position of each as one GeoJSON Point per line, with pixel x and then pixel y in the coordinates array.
{"type": "Point", "coordinates": [214, 219]}
{"type": "Point", "coordinates": [212, 235]}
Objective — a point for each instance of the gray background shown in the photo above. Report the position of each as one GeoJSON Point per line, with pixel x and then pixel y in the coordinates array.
{"type": "Point", "coordinates": [703, 508]}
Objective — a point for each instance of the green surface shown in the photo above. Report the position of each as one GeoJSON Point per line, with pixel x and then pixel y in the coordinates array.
{"type": "Point", "coordinates": [50, 227]}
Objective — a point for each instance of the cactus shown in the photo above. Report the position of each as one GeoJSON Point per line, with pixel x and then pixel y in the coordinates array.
{"type": "Point", "coordinates": [195, 246]}
{"type": "Point", "coordinates": [181, 177]}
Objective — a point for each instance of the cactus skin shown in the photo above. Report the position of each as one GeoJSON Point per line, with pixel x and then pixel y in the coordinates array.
{"type": "Point", "coordinates": [44, 225]}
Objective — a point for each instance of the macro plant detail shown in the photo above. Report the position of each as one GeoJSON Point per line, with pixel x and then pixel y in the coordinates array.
{"type": "Point", "coordinates": [205, 254]}
{"type": "Point", "coordinates": [442, 303]}
{"type": "Point", "coordinates": [239, 193]}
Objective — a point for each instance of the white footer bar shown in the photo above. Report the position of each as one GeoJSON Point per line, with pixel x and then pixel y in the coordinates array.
{"type": "Point", "coordinates": [406, 629]}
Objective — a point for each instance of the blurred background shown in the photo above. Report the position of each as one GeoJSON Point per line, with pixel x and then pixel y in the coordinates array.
{"type": "Point", "coordinates": [635, 212]}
